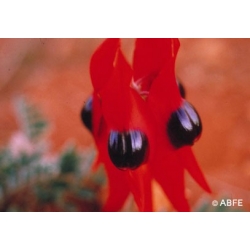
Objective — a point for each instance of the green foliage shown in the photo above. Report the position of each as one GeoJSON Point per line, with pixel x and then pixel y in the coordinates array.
{"type": "Point", "coordinates": [62, 182]}
{"type": "Point", "coordinates": [44, 194]}
{"type": "Point", "coordinates": [69, 161]}
{"type": "Point", "coordinates": [30, 119]}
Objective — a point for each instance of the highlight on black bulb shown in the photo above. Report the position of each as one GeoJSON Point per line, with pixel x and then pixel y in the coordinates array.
{"type": "Point", "coordinates": [184, 126]}
{"type": "Point", "coordinates": [128, 150]}
{"type": "Point", "coordinates": [86, 114]}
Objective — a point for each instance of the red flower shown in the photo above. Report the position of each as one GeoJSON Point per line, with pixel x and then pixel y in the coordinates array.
{"type": "Point", "coordinates": [134, 116]}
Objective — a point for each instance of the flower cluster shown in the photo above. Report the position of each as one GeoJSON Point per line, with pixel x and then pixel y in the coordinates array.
{"type": "Point", "coordinates": [142, 125]}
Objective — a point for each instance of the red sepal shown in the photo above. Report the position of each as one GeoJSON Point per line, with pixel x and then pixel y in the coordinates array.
{"type": "Point", "coordinates": [140, 183]}
{"type": "Point", "coordinates": [101, 64]}
{"type": "Point", "coordinates": [150, 55]}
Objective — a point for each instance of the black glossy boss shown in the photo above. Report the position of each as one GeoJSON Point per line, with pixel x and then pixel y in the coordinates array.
{"type": "Point", "coordinates": [86, 114]}
{"type": "Point", "coordinates": [184, 126]}
{"type": "Point", "coordinates": [128, 150]}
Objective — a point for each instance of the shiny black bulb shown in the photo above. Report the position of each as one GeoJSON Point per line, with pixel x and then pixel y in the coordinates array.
{"type": "Point", "coordinates": [184, 126]}
{"type": "Point", "coordinates": [86, 114]}
{"type": "Point", "coordinates": [128, 150]}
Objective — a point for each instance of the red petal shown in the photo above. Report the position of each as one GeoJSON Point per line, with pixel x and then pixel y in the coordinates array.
{"type": "Point", "coordinates": [149, 57]}
{"type": "Point", "coordinates": [116, 103]}
{"type": "Point", "coordinates": [140, 185]}
{"type": "Point", "coordinates": [175, 46]}
{"type": "Point", "coordinates": [117, 182]}
{"type": "Point", "coordinates": [101, 64]}
{"type": "Point", "coordinates": [164, 96]}
{"type": "Point", "coordinates": [168, 170]}
{"type": "Point", "coordinates": [118, 188]}
{"type": "Point", "coordinates": [169, 173]}
{"type": "Point", "coordinates": [123, 110]}
{"type": "Point", "coordinates": [190, 163]}
{"type": "Point", "coordinates": [168, 164]}
{"type": "Point", "coordinates": [97, 128]}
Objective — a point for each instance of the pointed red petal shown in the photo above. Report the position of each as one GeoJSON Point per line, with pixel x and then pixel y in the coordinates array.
{"type": "Point", "coordinates": [164, 96]}
{"type": "Point", "coordinates": [150, 55]}
{"type": "Point", "coordinates": [169, 173]}
{"type": "Point", "coordinates": [190, 163]}
{"type": "Point", "coordinates": [169, 163]}
{"type": "Point", "coordinates": [123, 110]}
{"type": "Point", "coordinates": [118, 188]}
{"type": "Point", "coordinates": [96, 117]}
{"type": "Point", "coordinates": [101, 64]}
{"type": "Point", "coordinates": [116, 103]}
{"type": "Point", "coordinates": [175, 44]}
{"type": "Point", "coordinates": [140, 185]}
{"type": "Point", "coordinates": [122, 107]}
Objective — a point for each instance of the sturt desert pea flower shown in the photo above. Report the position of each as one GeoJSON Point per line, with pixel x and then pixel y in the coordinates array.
{"type": "Point", "coordinates": [129, 116]}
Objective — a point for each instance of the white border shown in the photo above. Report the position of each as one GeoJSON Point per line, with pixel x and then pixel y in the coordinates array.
{"type": "Point", "coordinates": [124, 19]}
{"type": "Point", "coordinates": [124, 230]}
{"type": "Point", "coordinates": [130, 18]}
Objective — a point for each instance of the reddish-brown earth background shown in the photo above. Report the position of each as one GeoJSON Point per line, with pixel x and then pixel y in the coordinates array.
{"type": "Point", "coordinates": [54, 75]}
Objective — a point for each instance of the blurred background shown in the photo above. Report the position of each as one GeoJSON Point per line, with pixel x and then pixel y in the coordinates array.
{"type": "Point", "coordinates": [46, 152]}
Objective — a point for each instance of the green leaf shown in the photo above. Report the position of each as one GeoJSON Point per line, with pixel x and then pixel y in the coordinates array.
{"type": "Point", "coordinates": [69, 161]}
